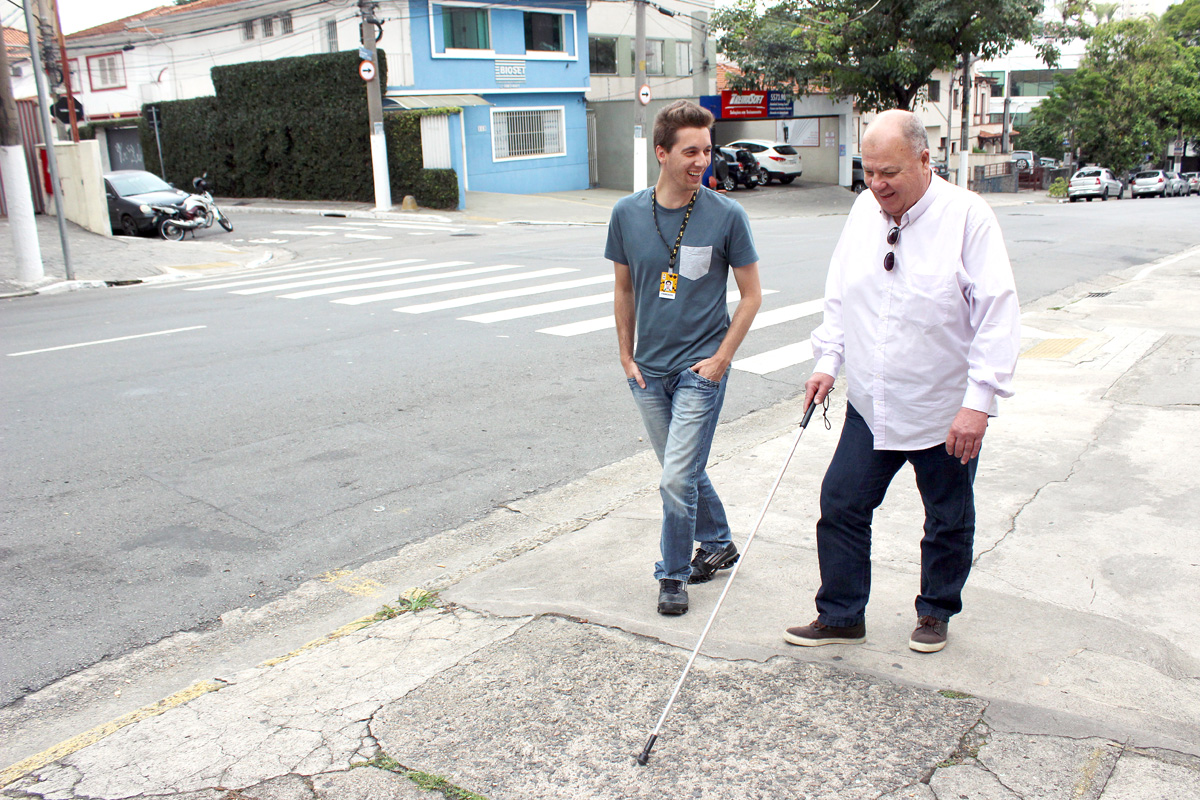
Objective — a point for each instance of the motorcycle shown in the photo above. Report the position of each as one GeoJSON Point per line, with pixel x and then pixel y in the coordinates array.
{"type": "Point", "coordinates": [198, 210]}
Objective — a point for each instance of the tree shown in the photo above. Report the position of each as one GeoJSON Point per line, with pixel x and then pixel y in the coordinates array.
{"type": "Point", "coordinates": [881, 52]}
{"type": "Point", "coordinates": [1182, 21]}
{"type": "Point", "coordinates": [1136, 89]}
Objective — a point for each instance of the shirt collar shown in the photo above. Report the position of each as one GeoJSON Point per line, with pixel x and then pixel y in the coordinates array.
{"type": "Point", "coordinates": [921, 206]}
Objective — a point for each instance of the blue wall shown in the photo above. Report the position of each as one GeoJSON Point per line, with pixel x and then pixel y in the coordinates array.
{"type": "Point", "coordinates": [476, 74]}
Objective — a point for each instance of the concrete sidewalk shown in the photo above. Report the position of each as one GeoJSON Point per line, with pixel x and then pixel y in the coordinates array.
{"type": "Point", "coordinates": [1073, 672]}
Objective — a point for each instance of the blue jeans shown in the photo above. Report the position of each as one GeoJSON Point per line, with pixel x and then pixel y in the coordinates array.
{"type": "Point", "coordinates": [854, 486]}
{"type": "Point", "coordinates": [680, 413]}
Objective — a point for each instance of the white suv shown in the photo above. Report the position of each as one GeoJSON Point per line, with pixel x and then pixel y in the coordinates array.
{"type": "Point", "coordinates": [779, 160]}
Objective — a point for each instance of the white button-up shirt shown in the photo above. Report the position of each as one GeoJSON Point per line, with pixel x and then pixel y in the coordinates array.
{"type": "Point", "coordinates": [940, 332]}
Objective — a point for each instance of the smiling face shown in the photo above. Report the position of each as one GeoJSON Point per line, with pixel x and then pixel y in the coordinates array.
{"type": "Point", "coordinates": [684, 164]}
{"type": "Point", "coordinates": [897, 174]}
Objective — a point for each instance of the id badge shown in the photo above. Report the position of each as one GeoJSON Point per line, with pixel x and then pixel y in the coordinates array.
{"type": "Point", "coordinates": [667, 285]}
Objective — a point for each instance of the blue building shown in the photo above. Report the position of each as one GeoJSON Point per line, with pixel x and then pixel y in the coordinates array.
{"type": "Point", "coordinates": [519, 72]}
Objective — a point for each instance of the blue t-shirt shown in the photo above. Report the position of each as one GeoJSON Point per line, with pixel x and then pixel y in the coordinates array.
{"type": "Point", "coordinates": [674, 334]}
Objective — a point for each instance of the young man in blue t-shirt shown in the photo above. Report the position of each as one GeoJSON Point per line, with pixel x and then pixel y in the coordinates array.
{"type": "Point", "coordinates": [672, 247]}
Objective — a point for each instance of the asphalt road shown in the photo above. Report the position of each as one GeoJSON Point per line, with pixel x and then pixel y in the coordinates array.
{"type": "Point", "coordinates": [152, 484]}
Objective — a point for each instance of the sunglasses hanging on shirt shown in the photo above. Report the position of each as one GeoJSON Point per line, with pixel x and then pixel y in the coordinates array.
{"type": "Point", "coordinates": [889, 260]}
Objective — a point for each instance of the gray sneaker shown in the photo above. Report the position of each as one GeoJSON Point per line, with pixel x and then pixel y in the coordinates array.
{"type": "Point", "coordinates": [930, 635]}
{"type": "Point", "coordinates": [672, 597]}
{"type": "Point", "coordinates": [815, 633]}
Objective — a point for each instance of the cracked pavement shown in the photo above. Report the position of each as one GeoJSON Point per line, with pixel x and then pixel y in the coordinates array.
{"type": "Point", "coordinates": [1073, 671]}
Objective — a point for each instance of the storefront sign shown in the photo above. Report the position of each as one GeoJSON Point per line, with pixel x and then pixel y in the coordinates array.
{"type": "Point", "coordinates": [755, 105]}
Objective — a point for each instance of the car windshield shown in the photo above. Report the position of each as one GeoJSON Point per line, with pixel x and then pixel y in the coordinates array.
{"type": "Point", "coordinates": [1153, 174]}
{"type": "Point", "coordinates": [785, 150]}
{"type": "Point", "coordinates": [137, 183]}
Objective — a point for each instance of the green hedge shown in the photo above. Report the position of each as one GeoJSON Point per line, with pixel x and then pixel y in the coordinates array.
{"type": "Point", "coordinates": [433, 188]}
{"type": "Point", "coordinates": [292, 129]}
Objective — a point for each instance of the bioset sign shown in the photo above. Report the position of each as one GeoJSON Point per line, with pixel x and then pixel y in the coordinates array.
{"type": "Point", "coordinates": [754, 105]}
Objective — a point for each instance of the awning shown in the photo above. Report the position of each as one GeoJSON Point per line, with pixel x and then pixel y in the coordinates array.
{"type": "Point", "coordinates": [991, 131]}
{"type": "Point", "coordinates": [435, 101]}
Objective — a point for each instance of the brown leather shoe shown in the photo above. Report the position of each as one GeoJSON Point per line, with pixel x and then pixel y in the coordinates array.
{"type": "Point", "coordinates": [930, 635]}
{"type": "Point", "coordinates": [815, 633]}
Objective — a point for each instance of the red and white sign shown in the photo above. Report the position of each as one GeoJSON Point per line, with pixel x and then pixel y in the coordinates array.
{"type": "Point", "coordinates": [366, 70]}
{"type": "Point", "coordinates": [644, 94]}
{"type": "Point", "coordinates": [743, 104]}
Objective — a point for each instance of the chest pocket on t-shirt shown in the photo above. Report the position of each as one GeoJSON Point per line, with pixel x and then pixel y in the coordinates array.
{"type": "Point", "coordinates": [694, 262]}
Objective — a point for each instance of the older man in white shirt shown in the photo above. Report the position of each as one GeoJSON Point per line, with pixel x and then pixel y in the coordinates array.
{"type": "Point", "coordinates": [921, 310]}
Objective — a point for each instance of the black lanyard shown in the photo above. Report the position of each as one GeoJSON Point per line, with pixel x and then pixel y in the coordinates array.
{"type": "Point", "coordinates": [674, 251]}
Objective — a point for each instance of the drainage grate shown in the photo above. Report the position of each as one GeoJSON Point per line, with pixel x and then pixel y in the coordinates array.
{"type": "Point", "coordinates": [1098, 294]}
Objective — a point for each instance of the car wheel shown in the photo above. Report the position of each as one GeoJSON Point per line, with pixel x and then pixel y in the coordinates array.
{"type": "Point", "coordinates": [1104, 197]}
{"type": "Point", "coordinates": [1121, 194]}
{"type": "Point", "coordinates": [786, 179]}
{"type": "Point", "coordinates": [1089, 199]}
{"type": "Point", "coordinates": [764, 178]}
{"type": "Point", "coordinates": [1073, 199]}
{"type": "Point", "coordinates": [729, 184]}
{"type": "Point", "coordinates": [1022, 164]}
{"type": "Point", "coordinates": [128, 226]}
{"type": "Point", "coordinates": [859, 188]}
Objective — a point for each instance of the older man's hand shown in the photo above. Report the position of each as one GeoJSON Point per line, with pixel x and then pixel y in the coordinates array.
{"type": "Point", "coordinates": [966, 434]}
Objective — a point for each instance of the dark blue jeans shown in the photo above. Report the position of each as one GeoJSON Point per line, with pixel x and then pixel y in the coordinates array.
{"type": "Point", "coordinates": [855, 484]}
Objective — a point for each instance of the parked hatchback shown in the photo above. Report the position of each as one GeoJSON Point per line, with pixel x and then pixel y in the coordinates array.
{"type": "Point", "coordinates": [742, 168]}
{"type": "Point", "coordinates": [130, 193]}
{"type": "Point", "coordinates": [1150, 182]}
{"type": "Point", "coordinates": [779, 160]}
{"type": "Point", "coordinates": [1193, 182]}
{"type": "Point", "coordinates": [1092, 182]}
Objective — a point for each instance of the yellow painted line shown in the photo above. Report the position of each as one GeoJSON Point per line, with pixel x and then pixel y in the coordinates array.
{"type": "Point", "coordinates": [345, 630]}
{"type": "Point", "coordinates": [77, 743]}
{"type": "Point", "coordinates": [1052, 348]}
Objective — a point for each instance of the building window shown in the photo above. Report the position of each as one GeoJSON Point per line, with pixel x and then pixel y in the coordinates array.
{"type": "Point", "coordinates": [683, 58]}
{"type": "Point", "coordinates": [331, 41]}
{"type": "Point", "coordinates": [654, 56]}
{"type": "Point", "coordinates": [465, 29]}
{"type": "Point", "coordinates": [603, 53]}
{"type": "Point", "coordinates": [248, 30]}
{"type": "Point", "coordinates": [935, 91]}
{"type": "Point", "coordinates": [1035, 82]}
{"type": "Point", "coordinates": [543, 32]}
{"type": "Point", "coordinates": [997, 82]}
{"type": "Point", "coordinates": [527, 133]}
{"type": "Point", "coordinates": [285, 23]}
{"type": "Point", "coordinates": [954, 99]}
{"type": "Point", "coordinates": [268, 26]}
{"type": "Point", "coordinates": [106, 72]}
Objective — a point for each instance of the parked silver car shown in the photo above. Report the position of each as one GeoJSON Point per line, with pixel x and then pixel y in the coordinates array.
{"type": "Point", "coordinates": [1156, 182]}
{"type": "Point", "coordinates": [779, 160]}
{"type": "Point", "coordinates": [1193, 182]}
{"type": "Point", "coordinates": [1091, 182]}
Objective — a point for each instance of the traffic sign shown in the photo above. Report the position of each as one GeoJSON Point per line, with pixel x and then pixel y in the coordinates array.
{"type": "Point", "coordinates": [644, 94]}
{"type": "Point", "coordinates": [366, 70]}
{"type": "Point", "coordinates": [63, 113]}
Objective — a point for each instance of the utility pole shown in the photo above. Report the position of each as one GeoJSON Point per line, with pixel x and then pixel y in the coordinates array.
{"type": "Point", "coordinates": [641, 98]}
{"type": "Point", "coordinates": [66, 73]}
{"type": "Point", "coordinates": [39, 77]}
{"type": "Point", "coordinates": [964, 151]}
{"type": "Point", "coordinates": [379, 167]}
{"type": "Point", "coordinates": [18, 196]}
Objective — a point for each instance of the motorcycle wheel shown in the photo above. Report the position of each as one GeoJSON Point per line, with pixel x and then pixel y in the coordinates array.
{"type": "Point", "coordinates": [170, 231]}
{"type": "Point", "coordinates": [226, 224]}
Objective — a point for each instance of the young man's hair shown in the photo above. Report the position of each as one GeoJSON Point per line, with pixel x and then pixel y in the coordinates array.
{"type": "Point", "coordinates": [680, 114]}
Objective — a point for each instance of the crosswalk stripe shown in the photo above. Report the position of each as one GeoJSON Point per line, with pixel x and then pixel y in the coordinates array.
{"type": "Point", "coordinates": [772, 360]}
{"type": "Point", "coordinates": [302, 233]}
{"type": "Point", "coordinates": [600, 323]}
{"type": "Point", "coordinates": [777, 316]}
{"type": "Point", "coordinates": [315, 269]}
{"type": "Point", "coordinates": [414, 226]}
{"type": "Point", "coordinates": [450, 287]}
{"type": "Point", "coordinates": [337, 228]}
{"type": "Point", "coordinates": [476, 299]}
{"type": "Point", "coordinates": [358, 287]}
{"type": "Point", "coordinates": [353, 276]}
{"type": "Point", "coordinates": [258, 271]}
{"type": "Point", "coordinates": [541, 308]}
{"type": "Point", "coordinates": [370, 236]}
